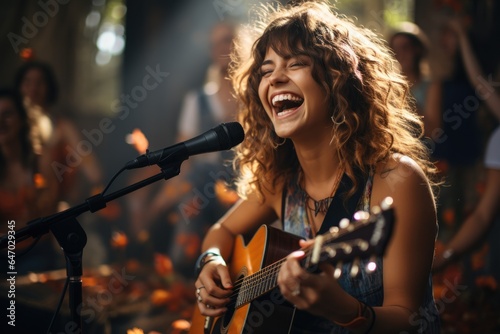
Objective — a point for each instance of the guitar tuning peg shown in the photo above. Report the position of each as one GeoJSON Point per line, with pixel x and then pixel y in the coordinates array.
{"type": "Point", "coordinates": [363, 245]}
{"type": "Point", "coordinates": [371, 266]}
{"type": "Point", "coordinates": [346, 248]}
{"type": "Point", "coordinates": [338, 270]}
{"type": "Point", "coordinates": [355, 268]}
{"type": "Point", "coordinates": [334, 230]}
{"type": "Point", "coordinates": [344, 223]}
{"type": "Point", "coordinates": [387, 203]}
{"type": "Point", "coordinates": [376, 210]}
{"type": "Point", "coordinates": [361, 215]}
{"type": "Point", "coordinates": [332, 252]}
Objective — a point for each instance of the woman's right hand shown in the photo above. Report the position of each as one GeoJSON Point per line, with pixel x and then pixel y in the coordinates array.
{"type": "Point", "coordinates": [213, 287]}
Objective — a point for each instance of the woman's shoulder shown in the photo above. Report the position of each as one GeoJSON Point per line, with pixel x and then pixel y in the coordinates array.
{"type": "Point", "coordinates": [399, 173]}
{"type": "Point", "coordinates": [398, 162]}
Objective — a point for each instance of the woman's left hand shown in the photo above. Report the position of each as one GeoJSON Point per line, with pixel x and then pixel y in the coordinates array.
{"type": "Point", "coordinates": [308, 291]}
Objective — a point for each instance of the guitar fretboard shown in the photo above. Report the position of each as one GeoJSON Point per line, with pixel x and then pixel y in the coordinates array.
{"type": "Point", "coordinates": [258, 283]}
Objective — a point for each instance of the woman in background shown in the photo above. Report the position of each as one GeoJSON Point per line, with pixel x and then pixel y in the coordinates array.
{"type": "Point", "coordinates": [27, 185]}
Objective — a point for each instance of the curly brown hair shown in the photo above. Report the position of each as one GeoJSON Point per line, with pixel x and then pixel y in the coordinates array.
{"type": "Point", "coordinates": [367, 94]}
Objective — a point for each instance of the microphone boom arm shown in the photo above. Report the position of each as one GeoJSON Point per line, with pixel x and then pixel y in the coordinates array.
{"type": "Point", "coordinates": [94, 203]}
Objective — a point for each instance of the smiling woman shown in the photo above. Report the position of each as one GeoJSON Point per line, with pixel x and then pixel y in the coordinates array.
{"type": "Point", "coordinates": [330, 130]}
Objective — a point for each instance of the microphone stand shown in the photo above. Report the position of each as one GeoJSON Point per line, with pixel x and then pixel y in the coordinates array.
{"type": "Point", "coordinates": [72, 238]}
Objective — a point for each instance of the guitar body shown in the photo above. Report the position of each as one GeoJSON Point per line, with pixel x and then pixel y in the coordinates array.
{"type": "Point", "coordinates": [270, 313]}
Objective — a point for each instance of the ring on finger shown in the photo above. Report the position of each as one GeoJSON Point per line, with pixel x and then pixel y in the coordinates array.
{"type": "Point", "coordinates": [296, 291]}
{"type": "Point", "coordinates": [198, 290]}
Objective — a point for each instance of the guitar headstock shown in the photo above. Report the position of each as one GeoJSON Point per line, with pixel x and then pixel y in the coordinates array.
{"type": "Point", "coordinates": [364, 237]}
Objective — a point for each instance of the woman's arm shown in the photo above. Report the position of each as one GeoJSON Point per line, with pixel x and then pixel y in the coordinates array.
{"type": "Point", "coordinates": [409, 255]}
{"type": "Point", "coordinates": [474, 72]}
{"type": "Point", "coordinates": [476, 225]}
{"type": "Point", "coordinates": [245, 217]}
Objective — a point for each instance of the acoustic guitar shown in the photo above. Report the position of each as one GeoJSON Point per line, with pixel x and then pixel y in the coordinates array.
{"type": "Point", "coordinates": [256, 305]}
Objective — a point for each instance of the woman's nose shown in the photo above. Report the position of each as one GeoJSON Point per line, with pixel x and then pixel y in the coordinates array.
{"type": "Point", "coordinates": [278, 76]}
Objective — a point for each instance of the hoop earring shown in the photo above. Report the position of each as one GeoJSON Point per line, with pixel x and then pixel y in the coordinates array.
{"type": "Point", "coordinates": [338, 123]}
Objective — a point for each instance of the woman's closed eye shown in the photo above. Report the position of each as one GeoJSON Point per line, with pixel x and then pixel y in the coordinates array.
{"type": "Point", "coordinates": [265, 72]}
{"type": "Point", "coordinates": [300, 61]}
{"type": "Point", "coordinates": [298, 64]}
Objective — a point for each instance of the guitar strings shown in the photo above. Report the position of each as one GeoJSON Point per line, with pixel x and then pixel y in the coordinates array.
{"type": "Point", "coordinates": [245, 284]}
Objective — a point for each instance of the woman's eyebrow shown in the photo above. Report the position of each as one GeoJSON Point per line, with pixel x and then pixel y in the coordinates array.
{"type": "Point", "coordinates": [267, 62]}
{"type": "Point", "coordinates": [286, 57]}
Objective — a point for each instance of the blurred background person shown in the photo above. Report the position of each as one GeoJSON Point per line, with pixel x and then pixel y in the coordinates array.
{"type": "Point", "coordinates": [411, 48]}
{"type": "Point", "coordinates": [27, 187]}
{"type": "Point", "coordinates": [483, 223]}
{"type": "Point", "coordinates": [61, 139]}
{"type": "Point", "coordinates": [453, 130]}
{"type": "Point", "coordinates": [71, 160]}
{"type": "Point", "coordinates": [485, 218]}
{"type": "Point", "coordinates": [213, 103]}
{"type": "Point", "coordinates": [175, 217]}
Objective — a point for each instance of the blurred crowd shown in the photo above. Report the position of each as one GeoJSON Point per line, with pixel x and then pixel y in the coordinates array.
{"type": "Point", "coordinates": [460, 105]}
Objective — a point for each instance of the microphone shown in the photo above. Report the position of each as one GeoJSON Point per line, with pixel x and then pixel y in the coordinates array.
{"type": "Point", "coordinates": [222, 137]}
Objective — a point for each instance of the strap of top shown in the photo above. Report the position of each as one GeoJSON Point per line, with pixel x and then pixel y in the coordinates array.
{"type": "Point", "coordinates": [339, 207]}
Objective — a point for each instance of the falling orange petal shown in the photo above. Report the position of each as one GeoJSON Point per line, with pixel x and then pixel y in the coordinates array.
{"type": "Point", "coordinates": [449, 217]}
{"type": "Point", "coordinates": [39, 181]}
{"type": "Point", "coordinates": [480, 186]}
{"type": "Point", "coordinates": [112, 211]}
{"type": "Point", "coordinates": [478, 259]}
{"type": "Point", "coordinates": [225, 195]}
{"type": "Point", "coordinates": [163, 264]}
{"type": "Point", "coordinates": [138, 140]}
{"type": "Point", "coordinates": [190, 244]}
{"type": "Point", "coordinates": [27, 54]}
{"type": "Point", "coordinates": [442, 166]}
{"type": "Point", "coordinates": [180, 326]}
{"type": "Point", "coordinates": [173, 218]}
{"type": "Point", "coordinates": [119, 239]}
{"type": "Point", "coordinates": [160, 297]}
{"type": "Point", "coordinates": [487, 281]}
{"type": "Point", "coordinates": [132, 265]}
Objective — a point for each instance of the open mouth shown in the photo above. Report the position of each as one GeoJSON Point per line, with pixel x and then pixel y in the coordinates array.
{"type": "Point", "coordinates": [286, 103]}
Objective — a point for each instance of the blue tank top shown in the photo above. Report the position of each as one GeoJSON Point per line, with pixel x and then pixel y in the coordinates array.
{"type": "Point", "coordinates": [366, 287]}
